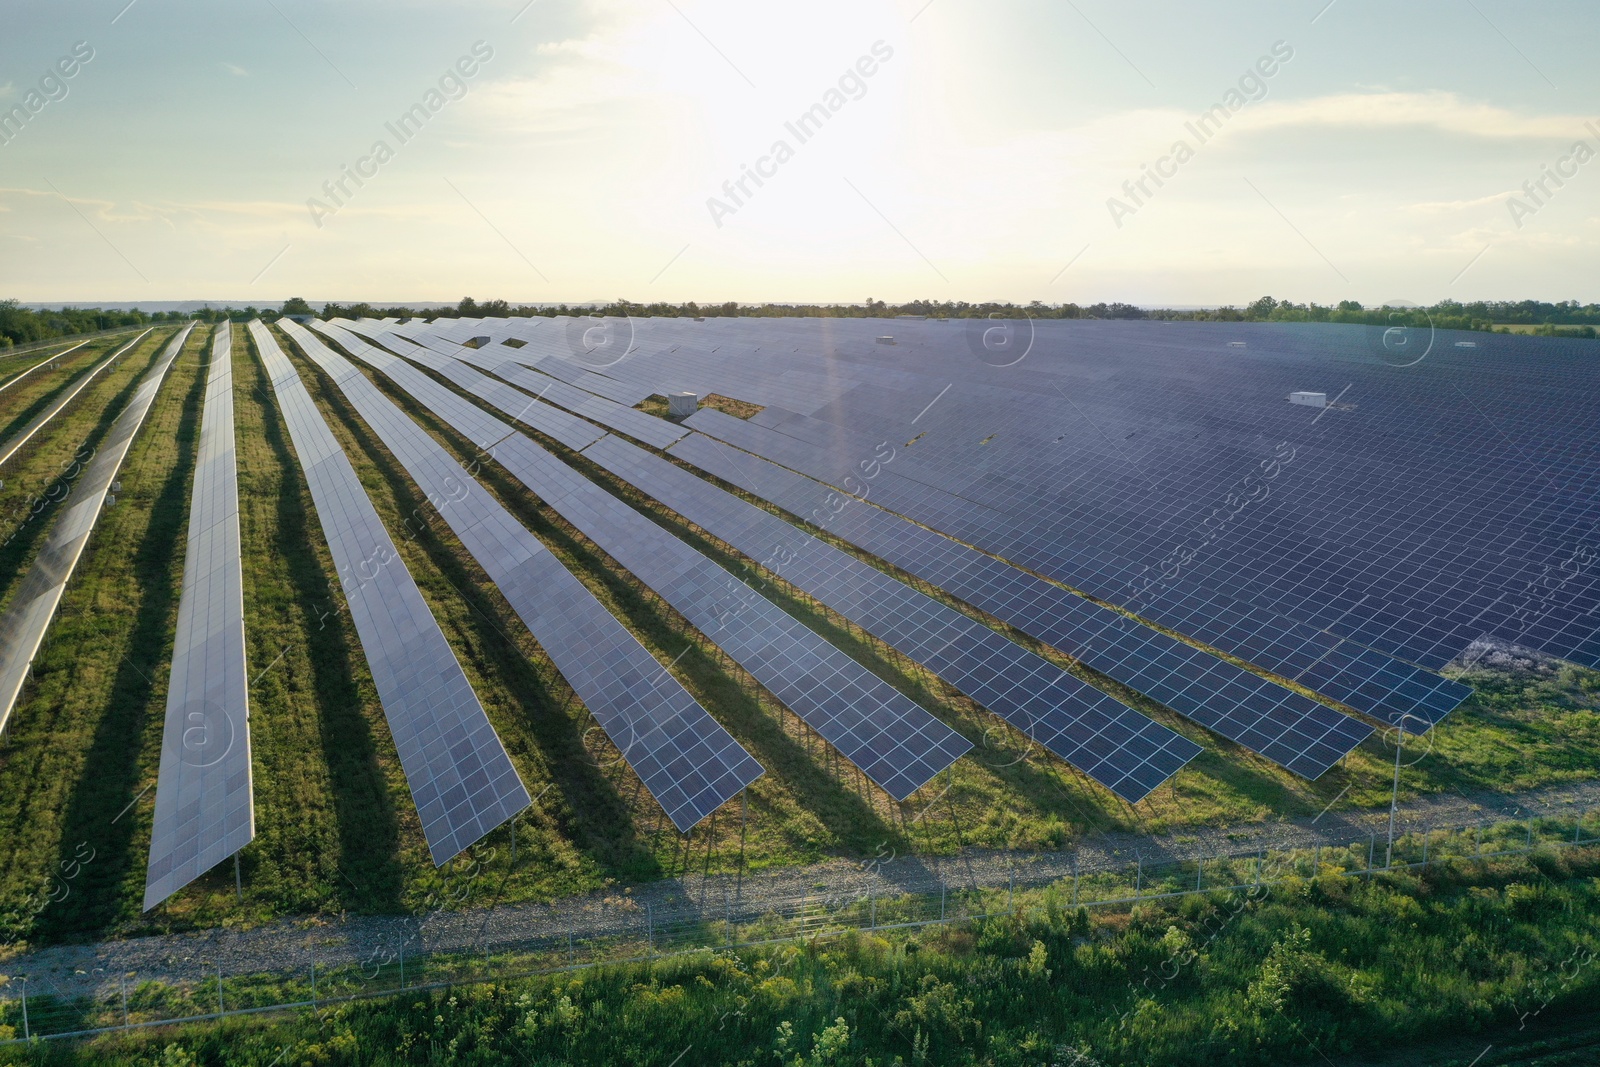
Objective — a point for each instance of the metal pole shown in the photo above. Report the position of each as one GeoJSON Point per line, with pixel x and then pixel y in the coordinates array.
{"type": "Point", "coordinates": [1138, 878]}
{"type": "Point", "coordinates": [650, 926]}
{"type": "Point", "coordinates": [26, 1033]}
{"type": "Point", "coordinates": [122, 983]}
{"type": "Point", "coordinates": [1074, 880]}
{"type": "Point", "coordinates": [572, 957]}
{"type": "Point", "coordinates": [238, 878]}
{"type": "Point", "coordinates": [219, 986]}
{"type": "Point", "coordinates": [1199, 872]}
{"type": "Point", "coordinates": [941, 898]}
{"type": "Point", "coordinates": [1394, 796]}
{"type": "Point", "coordinates": [873, 897]}
{"type": "Point", "coordinates": [1011, 889]}
{"type": "Point", "coordinates": [402, 963]}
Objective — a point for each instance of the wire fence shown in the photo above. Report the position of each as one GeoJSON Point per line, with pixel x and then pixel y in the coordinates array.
{"type": "Point", "coordinates": [329, 970]}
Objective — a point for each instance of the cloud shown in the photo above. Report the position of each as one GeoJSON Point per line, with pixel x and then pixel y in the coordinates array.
{"type": "Point", "coordinates": [236, 71]}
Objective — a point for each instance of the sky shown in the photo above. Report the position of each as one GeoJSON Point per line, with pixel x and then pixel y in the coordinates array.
{"type": "Point", "coordinates": [580, 151]}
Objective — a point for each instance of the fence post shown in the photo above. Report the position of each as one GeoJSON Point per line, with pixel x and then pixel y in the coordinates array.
{"type": "Point", "coordinates": [1138, 877]}
{"type": "Point", "coordinates": [727, 913]}
{"type": "Point", "coordinates": [122, 983]}
{"type": "Point", "coordinates": [1316, 861]}
{"type": "Point", "coordinates": [26, 1033]}
{"type": "Point", "coordinates": [1426, 833]}
{"type": "Point", "coordinates": [313, 950]}
{"type": "Point", "coordinates": [872, 896]}
{"type": "Point", "coordinates": [572, 957]}
{"type": "Point", "coordinates": [1199, 872]}
{"type": "Point", "coordinates": [1074, 879]}
{"type": "Point", "coordinates": [1011, 889]}
{"type": "Point", "coordinates": [941, 897]}
{"type": "Point", "coordinates": [1260, 856]}
{"type": "Point", "coordinates": [402, 963]}
{"type": "Point", "coordinates": [219, 986]}
{"type": "Point", "coordinates": [1372, 853]}
{"type": "Point", "coordinates": [650, 926]}
{"type": "Point", "coordinates": [1477, 838]}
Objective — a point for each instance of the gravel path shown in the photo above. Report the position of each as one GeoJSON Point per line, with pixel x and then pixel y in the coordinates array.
{"type": "Point", "coordinates": [290, 945]}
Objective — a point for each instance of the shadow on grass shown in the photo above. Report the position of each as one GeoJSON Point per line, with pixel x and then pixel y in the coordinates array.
{"type": "Point", "coordinates": [18, 422]}
{"type": "Point", "coordinates": [111, 770]}
{"type": "Point", "coordinates": [599, 821]}
{"type": "Point", "coordinates": [849, 816]}
{"type": "Point", "coordinates": [369, 826]}
{"type": "Point", "coordinates": [14, 553]}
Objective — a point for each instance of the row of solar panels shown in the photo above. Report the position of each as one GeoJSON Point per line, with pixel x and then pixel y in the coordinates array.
{"type": "Point", "coordinates": [459, 774]}
{"type": "Point", "coordinates": [1287, 727]}
{"type": "Point", "coordinates": [1449, 498]}
{"type": "Point", "coordinates": [33, 606]}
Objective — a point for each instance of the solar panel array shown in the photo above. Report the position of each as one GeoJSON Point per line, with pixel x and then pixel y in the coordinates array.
{"type": "Point", "coordinates": [1286, 727]}
{"type": "Point", "coordinates": [28, 615]}
{"type": "Point", "coordinates": [435, 355]}
{"type": "Point", "coordinates": [1449, 495]}
{"type": "Point", "coordinates": [460, 777]}
{"type": "Point", "coordinates": [688, 762]}
{"type": "Point", "coordinates": [41, 420]}
{"type": "Point", "coordinates": [45, 362]}
{"type": "Point", "coordinates": [1112, 743]}
{"type": "Point", "coordinates": [204, 799]}
{"type": "Point", "coordinates": [1362, 678]}
{"type": "Point", "coordinates": [894, 741]}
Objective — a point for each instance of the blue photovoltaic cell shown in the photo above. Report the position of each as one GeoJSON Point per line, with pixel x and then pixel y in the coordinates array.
{"type": "Point", "coordinates": [688, 762]}
{"type": "Point", "coordinates": [460, 777]}
{"type": "Point", "coordinates": [1364, 679]}
{"type": "Point", "coordinates": [894, 741]}
{"type": "Point", "coordinates": [1115, 745]}
{"type": "Point", "coordinates": [1282, 725]}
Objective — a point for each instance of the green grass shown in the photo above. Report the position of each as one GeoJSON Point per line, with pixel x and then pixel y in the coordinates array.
{"type": "Point", "coordinates": [83, 739]}
{"type": "Point", "coordinates": [1477, 962]}
{"type": "Point", "coordinates": [337, 830]}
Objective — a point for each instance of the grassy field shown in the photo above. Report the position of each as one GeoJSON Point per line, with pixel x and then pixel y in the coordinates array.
{"type": "Point", "coordinates": [336, 827]}
{"type": "Point", "coordinates": [80, 745]}
{"type": "Point", "coordinates": [1481, 963]}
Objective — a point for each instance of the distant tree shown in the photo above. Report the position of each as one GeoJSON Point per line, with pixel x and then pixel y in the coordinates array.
{"type": "Point", "coordinates": [1260, 308]}
{"type": "Point", "coordinates": [296, 305]}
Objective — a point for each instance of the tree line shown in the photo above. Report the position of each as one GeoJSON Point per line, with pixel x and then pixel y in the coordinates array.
{"type": "Point", "coordinates": [1446, 314]}
{"type": "Point", "coordinates": [20, 325]}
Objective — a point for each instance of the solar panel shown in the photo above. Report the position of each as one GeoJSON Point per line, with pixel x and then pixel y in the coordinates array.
{"type": "Point", "coordinates": [204, 800]}
{"type": "Point", "coordinates": [1282, 725]}
{"type": "Point", "coordinates": [688, 762]}
{"type": "Point", "coordinates": [28, 615]}
{"type": "Point", "coordinates": [894, 741]}
{"type": "Point", "coordinates": [1112, 743]}
{"type": "Point", "coordinates": [460, 777]}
